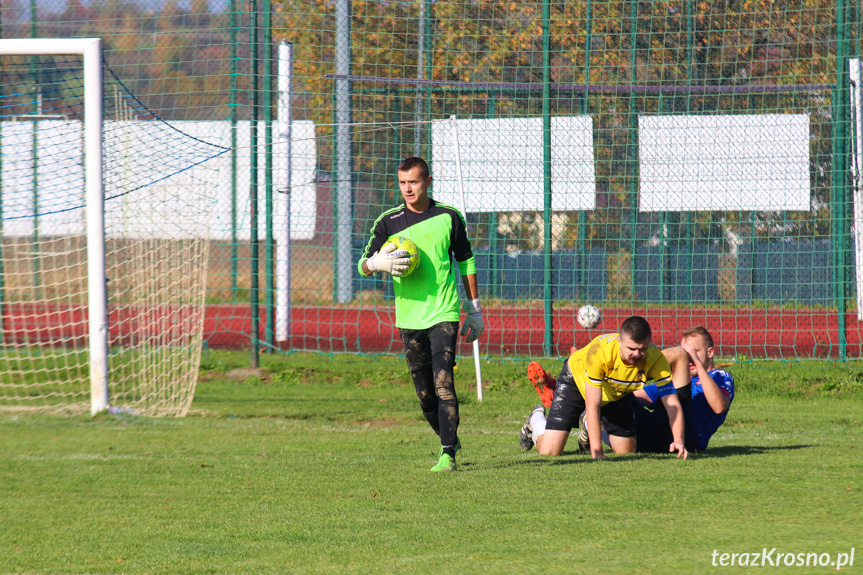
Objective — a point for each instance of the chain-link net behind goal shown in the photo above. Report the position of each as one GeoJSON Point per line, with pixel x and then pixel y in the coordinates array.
{"type": "Point", "coordinates": [159, 188]}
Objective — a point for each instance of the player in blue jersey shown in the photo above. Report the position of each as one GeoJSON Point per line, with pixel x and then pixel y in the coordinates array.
{"type": "Point", "coordinates": [426, 301]}
{"type": "Point", "coordinates": [705, 392]}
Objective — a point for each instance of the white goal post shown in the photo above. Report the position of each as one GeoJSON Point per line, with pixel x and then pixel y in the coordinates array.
{"type": "Point", "coordinates": [106, 213]}
{"type": "Point", "coordinates": [91, 51]}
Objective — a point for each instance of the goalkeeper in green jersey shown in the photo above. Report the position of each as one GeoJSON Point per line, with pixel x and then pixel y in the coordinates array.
{"type": "Point", "coordinates": [427, 302]}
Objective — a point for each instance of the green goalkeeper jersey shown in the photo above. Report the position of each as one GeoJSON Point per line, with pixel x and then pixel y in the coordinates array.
{"type": "Point", "coordinates": [428, 296]}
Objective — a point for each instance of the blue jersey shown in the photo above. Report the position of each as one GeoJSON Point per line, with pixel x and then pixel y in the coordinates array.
{"type": "Point", "coordinates": [705, 421]}
{"type": "Point", "coordinates": [701, 421]}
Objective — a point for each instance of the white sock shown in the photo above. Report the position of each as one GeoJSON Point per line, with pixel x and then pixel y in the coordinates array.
{"type": "Point", "coordinates": [537, 422]}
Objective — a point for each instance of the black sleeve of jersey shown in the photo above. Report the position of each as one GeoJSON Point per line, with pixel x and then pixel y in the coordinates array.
{"type": "Point", "coordinates": [377, 240]}
{"type": "Point", "coordinates": [459, 244]}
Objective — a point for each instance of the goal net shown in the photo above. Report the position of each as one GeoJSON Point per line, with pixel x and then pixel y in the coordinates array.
{"type": "Point", "coordinates": [156, 185]}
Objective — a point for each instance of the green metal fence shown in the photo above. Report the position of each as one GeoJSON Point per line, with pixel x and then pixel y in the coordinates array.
{"type": "Point", "coordinates": [691, 162]}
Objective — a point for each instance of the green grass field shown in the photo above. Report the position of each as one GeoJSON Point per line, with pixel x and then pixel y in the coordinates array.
{"type": "Point", "coordinates": [319, 464]}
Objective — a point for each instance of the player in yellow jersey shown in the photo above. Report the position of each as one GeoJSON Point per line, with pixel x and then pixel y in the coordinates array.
{"type": "Point", "coordinates": [595, 388]}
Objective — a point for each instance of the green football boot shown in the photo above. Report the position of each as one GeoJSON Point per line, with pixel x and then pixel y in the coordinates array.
{"type": "Point", "coordinates": [446, 463]}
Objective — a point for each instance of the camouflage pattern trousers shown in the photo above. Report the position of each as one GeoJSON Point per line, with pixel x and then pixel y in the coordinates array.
{"type": "Point", "coordinates": [430, 355]}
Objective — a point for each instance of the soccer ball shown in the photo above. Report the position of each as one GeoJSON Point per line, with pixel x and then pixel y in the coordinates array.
{"type": "Point", "coordinates": [588, 316]}
{"type": "Point", "coordinates": [406, 244]}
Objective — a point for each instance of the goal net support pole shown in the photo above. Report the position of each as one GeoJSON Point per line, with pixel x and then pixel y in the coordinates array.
{"type": "Point", "coordinates": [91, 50]}
{"type": "Point", "coordinates": [856, 77]}
{"type": "Point", "coordinates": [283, 244]}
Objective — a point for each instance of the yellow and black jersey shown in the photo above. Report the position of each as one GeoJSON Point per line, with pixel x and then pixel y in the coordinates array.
{"type": "Point", "coordinates": [599, 364]}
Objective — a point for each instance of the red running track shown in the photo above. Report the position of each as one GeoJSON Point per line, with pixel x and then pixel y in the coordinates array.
{"type": "Point", "coordinates": [785, 333]}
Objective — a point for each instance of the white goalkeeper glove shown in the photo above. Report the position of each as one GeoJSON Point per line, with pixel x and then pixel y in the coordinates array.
{"type": "Point", "coordinates": [389, 260]}
{"type": "Point", "coordinates": [473, 325]}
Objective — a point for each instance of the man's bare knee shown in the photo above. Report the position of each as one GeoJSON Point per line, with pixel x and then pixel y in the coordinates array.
{"type": "Point", "coordinates": [678, 359]}
{"type": "Point", "coordinates": [551, 450]}
{"type": "Point", "coordinates": [622, 444]}
{"type": "Point", "coordinates": [551, 442]}
{"type": "Point", "coordinates": [675, 354]}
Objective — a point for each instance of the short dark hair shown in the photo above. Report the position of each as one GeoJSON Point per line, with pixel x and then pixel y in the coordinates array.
{"type": "Point", "coordinates": [698, 330]}
{"type": "Point", "coordinates": [636, 328]}
{"type": "Point", "coordinates": [409, 164]}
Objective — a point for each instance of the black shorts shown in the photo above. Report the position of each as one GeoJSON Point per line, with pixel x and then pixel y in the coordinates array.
{"type": "Point", "coordinates": [617, 417]}
{"type": "Point", "coordinates": [654, 430]}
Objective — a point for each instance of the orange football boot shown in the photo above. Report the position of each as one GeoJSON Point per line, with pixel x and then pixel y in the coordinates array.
{"type": "Point", "coordinates": [542, 382]}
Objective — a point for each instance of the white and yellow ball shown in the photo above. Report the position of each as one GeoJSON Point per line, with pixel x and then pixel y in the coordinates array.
{"type": "Point", "coordinates": [406, 244]}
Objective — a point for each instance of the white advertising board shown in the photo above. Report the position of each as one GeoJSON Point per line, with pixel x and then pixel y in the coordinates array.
{"type": "Point", "coordinates": [501, 162]}
{"type": "Point", "coordinates": [749, 162]}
